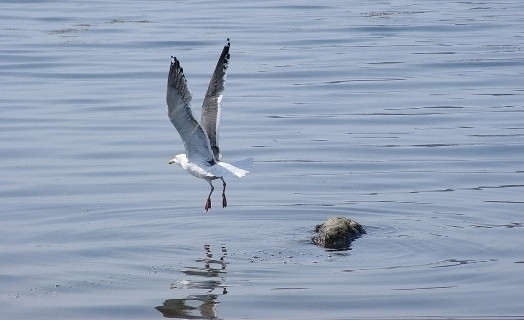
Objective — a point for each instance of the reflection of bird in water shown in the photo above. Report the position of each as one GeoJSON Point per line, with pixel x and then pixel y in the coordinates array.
{"type": "Point", "coordinates": [179, 308]}
{"type": "Point", "coordinates": [209, 260]}
{"type": "Point", "coordinates": [211, 272]}
{"type": "Point", "coordinates": [199, 306]}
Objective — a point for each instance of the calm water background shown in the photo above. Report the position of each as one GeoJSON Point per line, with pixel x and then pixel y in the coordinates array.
{"type": "Point", "coordinates": [408, 118]}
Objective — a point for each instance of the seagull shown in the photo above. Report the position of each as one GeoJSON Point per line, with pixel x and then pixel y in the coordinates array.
{"type": "Point", "coordinates": [202, 157]}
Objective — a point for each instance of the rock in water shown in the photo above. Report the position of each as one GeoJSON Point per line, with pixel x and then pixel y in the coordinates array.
{"type": "Point", "coordinates": [337, 233]}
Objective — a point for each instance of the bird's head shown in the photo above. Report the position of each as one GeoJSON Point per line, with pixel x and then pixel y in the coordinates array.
{"type": "Point", "coordinates": [178, 159]}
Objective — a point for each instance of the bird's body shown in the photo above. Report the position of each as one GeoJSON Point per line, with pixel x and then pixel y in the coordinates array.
{"type": "Point", "coordinates": [202, 157]}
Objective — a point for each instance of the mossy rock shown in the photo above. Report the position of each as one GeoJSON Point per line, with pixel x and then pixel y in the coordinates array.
{"type": "Point", "coordinates": [337, 233]}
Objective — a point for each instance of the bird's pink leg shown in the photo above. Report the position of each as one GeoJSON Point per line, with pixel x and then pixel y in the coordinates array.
{"type": "Point", "coordinates": [208, 201]}
{"type": "Point", "coordinates": [224, 200]}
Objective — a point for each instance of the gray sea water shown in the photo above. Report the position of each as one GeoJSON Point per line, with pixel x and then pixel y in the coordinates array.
{"type": "Point", "coordinates": [407, 117]}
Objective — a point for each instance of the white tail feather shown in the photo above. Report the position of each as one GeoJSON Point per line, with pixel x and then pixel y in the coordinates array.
{"type": "Point", "coordinates": [224, 169]}
{"type": "Point", "coordinates": [229, 168]}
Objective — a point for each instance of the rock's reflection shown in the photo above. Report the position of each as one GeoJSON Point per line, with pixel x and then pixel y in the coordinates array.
{"type": "Point", "coordinates": [209, 277]}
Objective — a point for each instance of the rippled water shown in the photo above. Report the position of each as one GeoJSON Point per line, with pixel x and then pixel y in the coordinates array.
{"type": "Point", "coordinates": [408, 118]}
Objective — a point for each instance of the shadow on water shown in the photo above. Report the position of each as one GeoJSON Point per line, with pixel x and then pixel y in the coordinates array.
{"type": "Point", "coordinates": [206, 280]}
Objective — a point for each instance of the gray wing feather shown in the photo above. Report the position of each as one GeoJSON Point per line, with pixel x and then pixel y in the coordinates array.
{"type": "Point", "coordinates": [212, 105]}
{"type": "Point", "coordinates": [178, 98]}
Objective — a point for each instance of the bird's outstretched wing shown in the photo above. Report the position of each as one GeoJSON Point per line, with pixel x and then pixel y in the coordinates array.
{"type": "Point", "coordinates": [178, 98]}
{"type": "Point", "coordinates": [211, 107]}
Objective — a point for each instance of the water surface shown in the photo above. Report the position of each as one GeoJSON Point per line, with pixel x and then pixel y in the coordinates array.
{"type": "Point", "coordinates": [408, 118]}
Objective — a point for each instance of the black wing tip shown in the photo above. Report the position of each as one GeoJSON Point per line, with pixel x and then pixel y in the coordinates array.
{"type": "Point", "coordinates": [226, 47]}
{"type": "Point", "coordinates": [225, 54]}
{"type": "Point", "coordinates": [175, 66]}
{"type": "Point", "coordinates": [176, 73]}
{"type": "Point", "coordinates": [174, 62]}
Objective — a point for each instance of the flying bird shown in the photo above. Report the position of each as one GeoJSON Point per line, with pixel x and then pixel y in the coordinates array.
{"type": "Point", "coordinates": [202, 157]}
